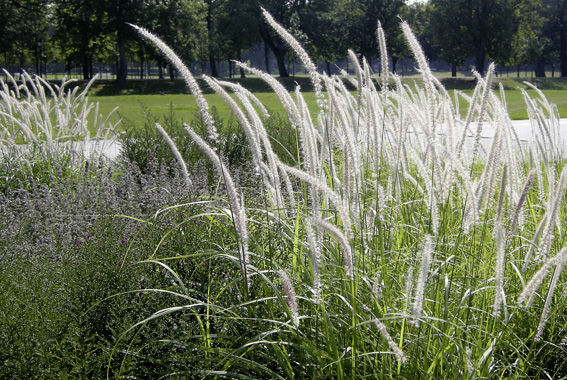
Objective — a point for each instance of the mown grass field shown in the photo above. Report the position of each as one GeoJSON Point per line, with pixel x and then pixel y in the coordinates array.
{"type": "Point", "coordinates": [161, 96]}
{"type": "Point", "coordinates": [368, 244]}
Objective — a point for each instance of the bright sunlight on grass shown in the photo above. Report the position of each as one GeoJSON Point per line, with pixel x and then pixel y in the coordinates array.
{"type": "Point", "coordinates": [339, 235]}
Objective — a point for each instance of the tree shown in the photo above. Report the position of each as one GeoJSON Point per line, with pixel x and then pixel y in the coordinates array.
{"type": "Point", "coordinates": [282, 11]}
{"type": "Point", "coordinates": [475, 28]}
{"type": "Point", "coordinates": [24, 30]}
{"type": "Point", "coordinates": [232, 26]}
{"type": "Point", "coordinates": [326, 29]}
{"type": "Point", "coordinates": [454, 40]}
{"type": "Point", "coordinates": [534, 40]}
{"type": "Point", "coordinates": [180, 23]}
{"type": "Point", "coordinates": [79, 32]}
{"type": "Point", "coordinates": [555, 28]}
{"type": "Point", "coordinates": [418, 15]}
{"type": "Point", "coordinates": [238, 24]}
{"type": "Point", "coordinates": [363, 21]}
{"type": "Point", "coordinates": [120, 14]}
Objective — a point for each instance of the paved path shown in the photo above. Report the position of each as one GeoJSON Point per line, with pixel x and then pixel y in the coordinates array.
{"type": "Point", "coordinates": [524, 132]}
{"type": "Point", "coordinates": [523, 128]}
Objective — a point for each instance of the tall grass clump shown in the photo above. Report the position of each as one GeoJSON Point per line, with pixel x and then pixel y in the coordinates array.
{"type": "Point", "coordinates": [42, 123]}
{"type": "Point", "coordinates": [396, 245]}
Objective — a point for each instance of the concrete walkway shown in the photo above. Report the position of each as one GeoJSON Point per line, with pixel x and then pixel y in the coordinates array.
{"type": "Point", "coordinates": [523, 129]}
{"type": "Point", "coordinates": [111, 149]}
{"type": "Point", "coordinates": [524, 132]}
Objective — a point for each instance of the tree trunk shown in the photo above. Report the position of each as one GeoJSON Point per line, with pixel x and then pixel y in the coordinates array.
{"type": "Point", "coordinates": [278, 51]}
{"type": "Point", "coordinates": [242, 74]}
{"type": "Point", "coordinates": [563, 53]}
{"type": "Point", "coordinates": [267, 58]}
{"type": "Point", "coordinates": [160, 70]}
{"type": "Point", "coordinates": [539, 67]}
{"type": "Point", "coordinates": [213, 64]}
{"type": "Point", "coordinates": [480, 57]}
{"type": "Point", "coordinates": [85, 67]}
{"type": "Point", "coordinates": [328, 66]}
{"type": "Point", "coordinates": [280, 58]}
{"type": "Point", "coordinates": [171, 72]}
{"type": "Point", "coordinates": [453, 70]}
{"type": "Point", "coordinates": [142, 67]}
{"type": "Point", "coordinates": [395, 61]}
{"type": "Point", "coordinates": [518, 68]}
{"type": "Point", "coordinates": [122, 73]}
{"type": "Point", "coordinates": [36, 60]}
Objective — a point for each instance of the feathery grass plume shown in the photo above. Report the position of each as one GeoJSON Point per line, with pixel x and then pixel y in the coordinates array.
{"type": "Point", "coordinates": [41, 113]}
{"type": "Point", "coordinates": [431, 190]}
{"type": "Point", "coordinates": [346, 179]}
{"type": "Point", "coordinates": [288, 187]}
{"type": "Point", "coordinates": [367, 78]}
{"type": "Point", "coordinates": [540, 126]}
{"type": "Point", "coordinates": [315, 258]}
{"type": "Point", "coordinates": [301, 53]}
{"type": "Point", "coordinates": [357, 70]}
{"type": "Point", "coordinates": [376, 285]}
{"type": "Point", "coordinates": [548, 299]}
{"type": "Point", "coordinates": [343, 243]}
{"type": "Point", "coordinates": [375, 130]}
{"type": "Point", "coordinates": [346, 76]}
{"type": "Point", "coordinates": [519, 204]}
{"type": "Point", "coordinates": [272, 182]}
{"type": "Point", "coordinates": [485, 185]}
{"type": "Point", "coordinates": [237, 87]}
{"type": "Point", "coordinates": [426, 74]}
{"type": "Point", "coordinates": [187, 76]}
{"type": "Point", "coordinates": [290, 299]}
{"type": "Point", "coordinates": [500, 203]}
{"type": "Point", "coordinates": [500, 266]}
{"type": "Point", "coordinates": [383, 56]}
{"type": "Point", "coordinates": [393, 346]}
{"type": "Point", "coordinates": [417, 307]}
{"type": "Point", "coordinates": [555, 205]}
{"type": "Point", "coordinates": [533, 285]}
{"type": "Point", "coordinates": [486, 83]}
{"type": "Point", "coordinates": [283, 95]}
{"type": "Point", "coordinates": [552, 118]}
{"type": "Point", "coordinates": [326, 190]}
{"type": "Point", "coordinates": [238, 212]}
{"type": "Point", "coordinates": [176, 154]}
{"type": "Point", "coordinates": [468, 355]}
{"type": "Point", "coordinates": [351, 147]}
{"type": "Point", "coordinates": [306, 136]}
{"type": "Point", "coordinates": [533, 246]}
{"type": "Point", "coordinates": [241, 117]}
{"type": "Point", "coordinates": [408, 289]}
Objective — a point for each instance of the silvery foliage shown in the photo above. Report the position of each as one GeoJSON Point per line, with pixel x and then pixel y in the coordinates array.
{"type": "Point", "coordinates": [369, 144]}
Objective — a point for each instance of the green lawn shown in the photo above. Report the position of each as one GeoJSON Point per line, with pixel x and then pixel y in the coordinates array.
{"type": "Point", "coordinates": [268, 252]}
{"type": "Point", "coordinates": [159, 96]}
{"type": "Point", "coordinates": [392, 260]}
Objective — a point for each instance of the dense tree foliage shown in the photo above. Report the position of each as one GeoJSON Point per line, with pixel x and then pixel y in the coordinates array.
{"type": "Point", "coordinates": [79, 32]}
{"type": "Point", "coordinates": [475, 29]}
{"type": "Point", "coordinates": [555, 28]}
{"type": "Point", "coordinates": [24, 29]}
{"type": "Point", "coordinates": [82, 32]}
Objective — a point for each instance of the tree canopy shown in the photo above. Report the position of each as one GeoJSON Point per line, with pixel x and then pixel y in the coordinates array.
{"type": "Point", "coordinates": [82, 32]}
